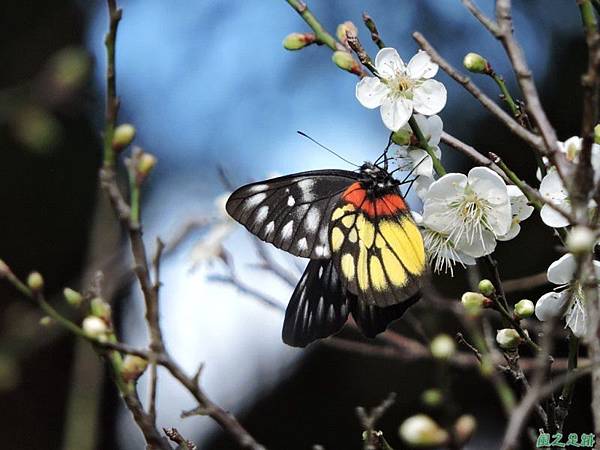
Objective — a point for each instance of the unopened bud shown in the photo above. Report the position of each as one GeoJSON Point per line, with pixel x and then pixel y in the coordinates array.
{"type": "Point", "coordinates": [345, 61]}
{"type": "Point", "coordinates": [508, 338]}
{"type": "Point", "coordinates": [597, 134]}
{"type": "Point", "coordinates": [72, 297]}
{"type": "Point", "coordinates": [133, 367]}
{"type": "Point", "coordinates": [46, 321]}
{"type": "Point", "coordinates": [123, 136]}
{"type": "Point", "coordinates": [421, 431]}
{"type": "Point", "coordinates": [343, 30]}
{"type": "Point", "coordinates": [432, 397]}
{"type": "Point", "coordinates": [464, 428]}
{"type": "Point", "coordinates": [442, 347]}
{"type": "Point", "coordinates": [486, 287]}
{"type": "Point", "coordinates": [95, 327]}
{"type": "Point", "coordinates": [35, 281]}
{"type": "Point", "coordinates": [401, 137]}
{"type": "Point", "coordinates": [476, 63]}
{"type": "Point", "coordinates": [145, 164]}
{"type": "Point", "coordinates": [101, 309]}
{"type": "Point", "coordinates": [297, 41]}
{"type": "Point", "coordinates": [473, 302]}
{"type": "Point", "coordinates": [524, 309]}
{"type": "Point", "coordinates": [580, 240]}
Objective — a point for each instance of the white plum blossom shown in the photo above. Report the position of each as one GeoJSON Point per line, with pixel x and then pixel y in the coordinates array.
{"type": "Point", "coordinates": [411, 157]}
{"type": "Point", "coordinates": [471, 210]}
{"type": "Point", "coordinates": [520, 210]}
{"type": "Point", "coordinates": [442, 253]}
{"type": "Point", "coordinates": [553, 190]}
{"type": "Point", "coordinates": [552, 187]}
{"type": "Point", "coordinates": [568, 299]}
{"type": "Point", "coordinates": [401, 88]}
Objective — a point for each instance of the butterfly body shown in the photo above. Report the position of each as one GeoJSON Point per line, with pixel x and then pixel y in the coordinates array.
{"type": "Point", "coordinates": [367, 255]}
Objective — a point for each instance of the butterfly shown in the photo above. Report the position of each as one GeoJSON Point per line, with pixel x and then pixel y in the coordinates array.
{"type": "Point", "coordinates": [366, 253]}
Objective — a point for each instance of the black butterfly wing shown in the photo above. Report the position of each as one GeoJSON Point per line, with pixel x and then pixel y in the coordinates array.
{"type": "Point", "coordinates": [292, 212]}
{"type": "Point", "coordinates": [372, 320]}
{"type": "Point", "coordinates": [318, 307]}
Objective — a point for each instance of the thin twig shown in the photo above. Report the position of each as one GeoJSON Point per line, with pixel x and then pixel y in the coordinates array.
{"type": "Point", "coordinates": [527, 136]}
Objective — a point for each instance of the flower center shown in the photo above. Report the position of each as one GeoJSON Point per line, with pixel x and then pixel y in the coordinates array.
{"type": "Point", "coordinates": [471, 213]}
{"type": "Point", "coordinates": [401, 85]}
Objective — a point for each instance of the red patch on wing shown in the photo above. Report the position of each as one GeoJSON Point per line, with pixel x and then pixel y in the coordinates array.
{"type": "Point", "coordinates": [387, 205]}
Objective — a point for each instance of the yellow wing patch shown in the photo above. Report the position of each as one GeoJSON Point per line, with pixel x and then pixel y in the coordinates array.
{"type": "Point", "coordinates": [380, 259]}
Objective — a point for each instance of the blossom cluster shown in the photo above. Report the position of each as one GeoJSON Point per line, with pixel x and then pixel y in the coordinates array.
{"type": "Point", "coordinates": [464, 216]}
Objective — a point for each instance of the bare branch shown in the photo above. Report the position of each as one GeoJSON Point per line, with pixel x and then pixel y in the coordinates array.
{"type": "Point", "coordinates": [530, 138]}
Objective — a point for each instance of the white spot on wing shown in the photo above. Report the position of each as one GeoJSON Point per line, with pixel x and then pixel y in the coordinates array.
{"type": "Point", "coordinates": [254, 200]}
{"type": "Point", "coordinates": [306, 186]}
{"type": "Point", "coordinates": [269, 228]}
{"type": "Point", "coordinates": [311, 222]}
{"type": "Point", "coordinates": [258, 188]}
{"type": "Point", "coordinates": [286, 231]}
{"type": "Point", "coordinates": [302, 244]}
{"type": "Point", "coordinates": [262, 213]}
{"type": "Point", "coordinates": [321, 251]}
{"type": "Point", "coordinates": [291, 201]}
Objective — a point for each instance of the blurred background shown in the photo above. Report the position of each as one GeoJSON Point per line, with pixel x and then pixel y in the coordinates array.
{"type": "Point", "coordinates": [212, 92]}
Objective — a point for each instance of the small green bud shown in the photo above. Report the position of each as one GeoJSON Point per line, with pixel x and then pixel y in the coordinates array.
{"type": "Point", "coordinates": [432, 397]}
{"type": "Point", "coordinates": [345, 61]}
{"type": "Point", "coordinates": [343, 29]}
{"type": "Point", "coordinates": [46, 321]}
{"type": "Point", "coordinates": [421, 431]}
{"type": "Point", "coordinates": [442, 347]}
{"type": "Point", "coordinates": [145, 164]}
{"type": "Point", "coordinates": [486, 287]}
{"type": "Point", "coordinates": [524, 309]}
{"type": "Point", "coordinates": [133, 367]}
{"type": "Point", "coordinates": [473, 302]}
{"type": "Point", "coordinates": [597, 134]}
{"type": "Point", "coordinates": [95, 327]}
{"type": "Point", "coordinates": [70, 68]}
{"type": "Point", "coordinates": [35, 281]}
{"type": "Point", "coordinates": [580, 240]}
{"type": "Point", "coordinates": [402, 137]}
{"type": "Point", "coordinates": [72, 297]}
{"type": "Point", "coordinates": [297, 41]}
{"type": "Point", "coordinates": [508, 338]}
{"type": "Point", "coordinates": [123, 136]}
{"type": "Point", "coordinates": [101, 309]}
{"type": "Point", "coordinates": [464, 428]}
{"type": "Point", "coordinates": [476, 63]}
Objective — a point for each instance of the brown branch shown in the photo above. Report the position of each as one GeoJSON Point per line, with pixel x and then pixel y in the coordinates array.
{"type": "Point", "coordinates": [526, 283]}
{"type": "Point", "coordinates": [178, 439]}
{"type": "Point", "coordinates": [530, 138]}
{"type": "Point", "coordinates": [368, 420]}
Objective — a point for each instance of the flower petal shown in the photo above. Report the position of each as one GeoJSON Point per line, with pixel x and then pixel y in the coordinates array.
{"type": "Point", "coordinates": [430, 97]}
{"type": "Point", "coordinates": [551, 305]}
{"type": "Point", "coordinates": [395, 113]}
{"type": "Point", "coordinates": [388, 62]}
{"type": "Point", "coordinates": [553, 188]}
{"type": "Point", "coordinates": [421, 162]}
{"type": "Point", "coordinates": [562, 270]}
{"type": "Point", "coordinates": [513, 231]}
{"type": "Point", "coordinates": [576, 318]}
{"type": "Point", "coordinates": [422, 185]}
{"type": "Point", "coordinates": [371, 92]}
{"type": "Point", "coordinates": [518, 203]}
{"type": "Point", "coordinates": [481, 246]}
{"type": "Point", "coordinates": [489, 186]}
{"type": "Point", "coordinates": [420, 66]}
{"type": "Point", "coordinates": [553, 218]}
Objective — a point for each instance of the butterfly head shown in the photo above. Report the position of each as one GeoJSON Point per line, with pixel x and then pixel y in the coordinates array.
{"type": "Point", "coordinates": [376, 177]}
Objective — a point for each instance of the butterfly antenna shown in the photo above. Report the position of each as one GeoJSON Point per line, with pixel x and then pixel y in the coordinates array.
{"type": "Point", "coordinates": [384, 155]}
{"type": "Point", "coordinates": [411, 170]}
{"type": "Point", "coordinates": [325, 148]}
